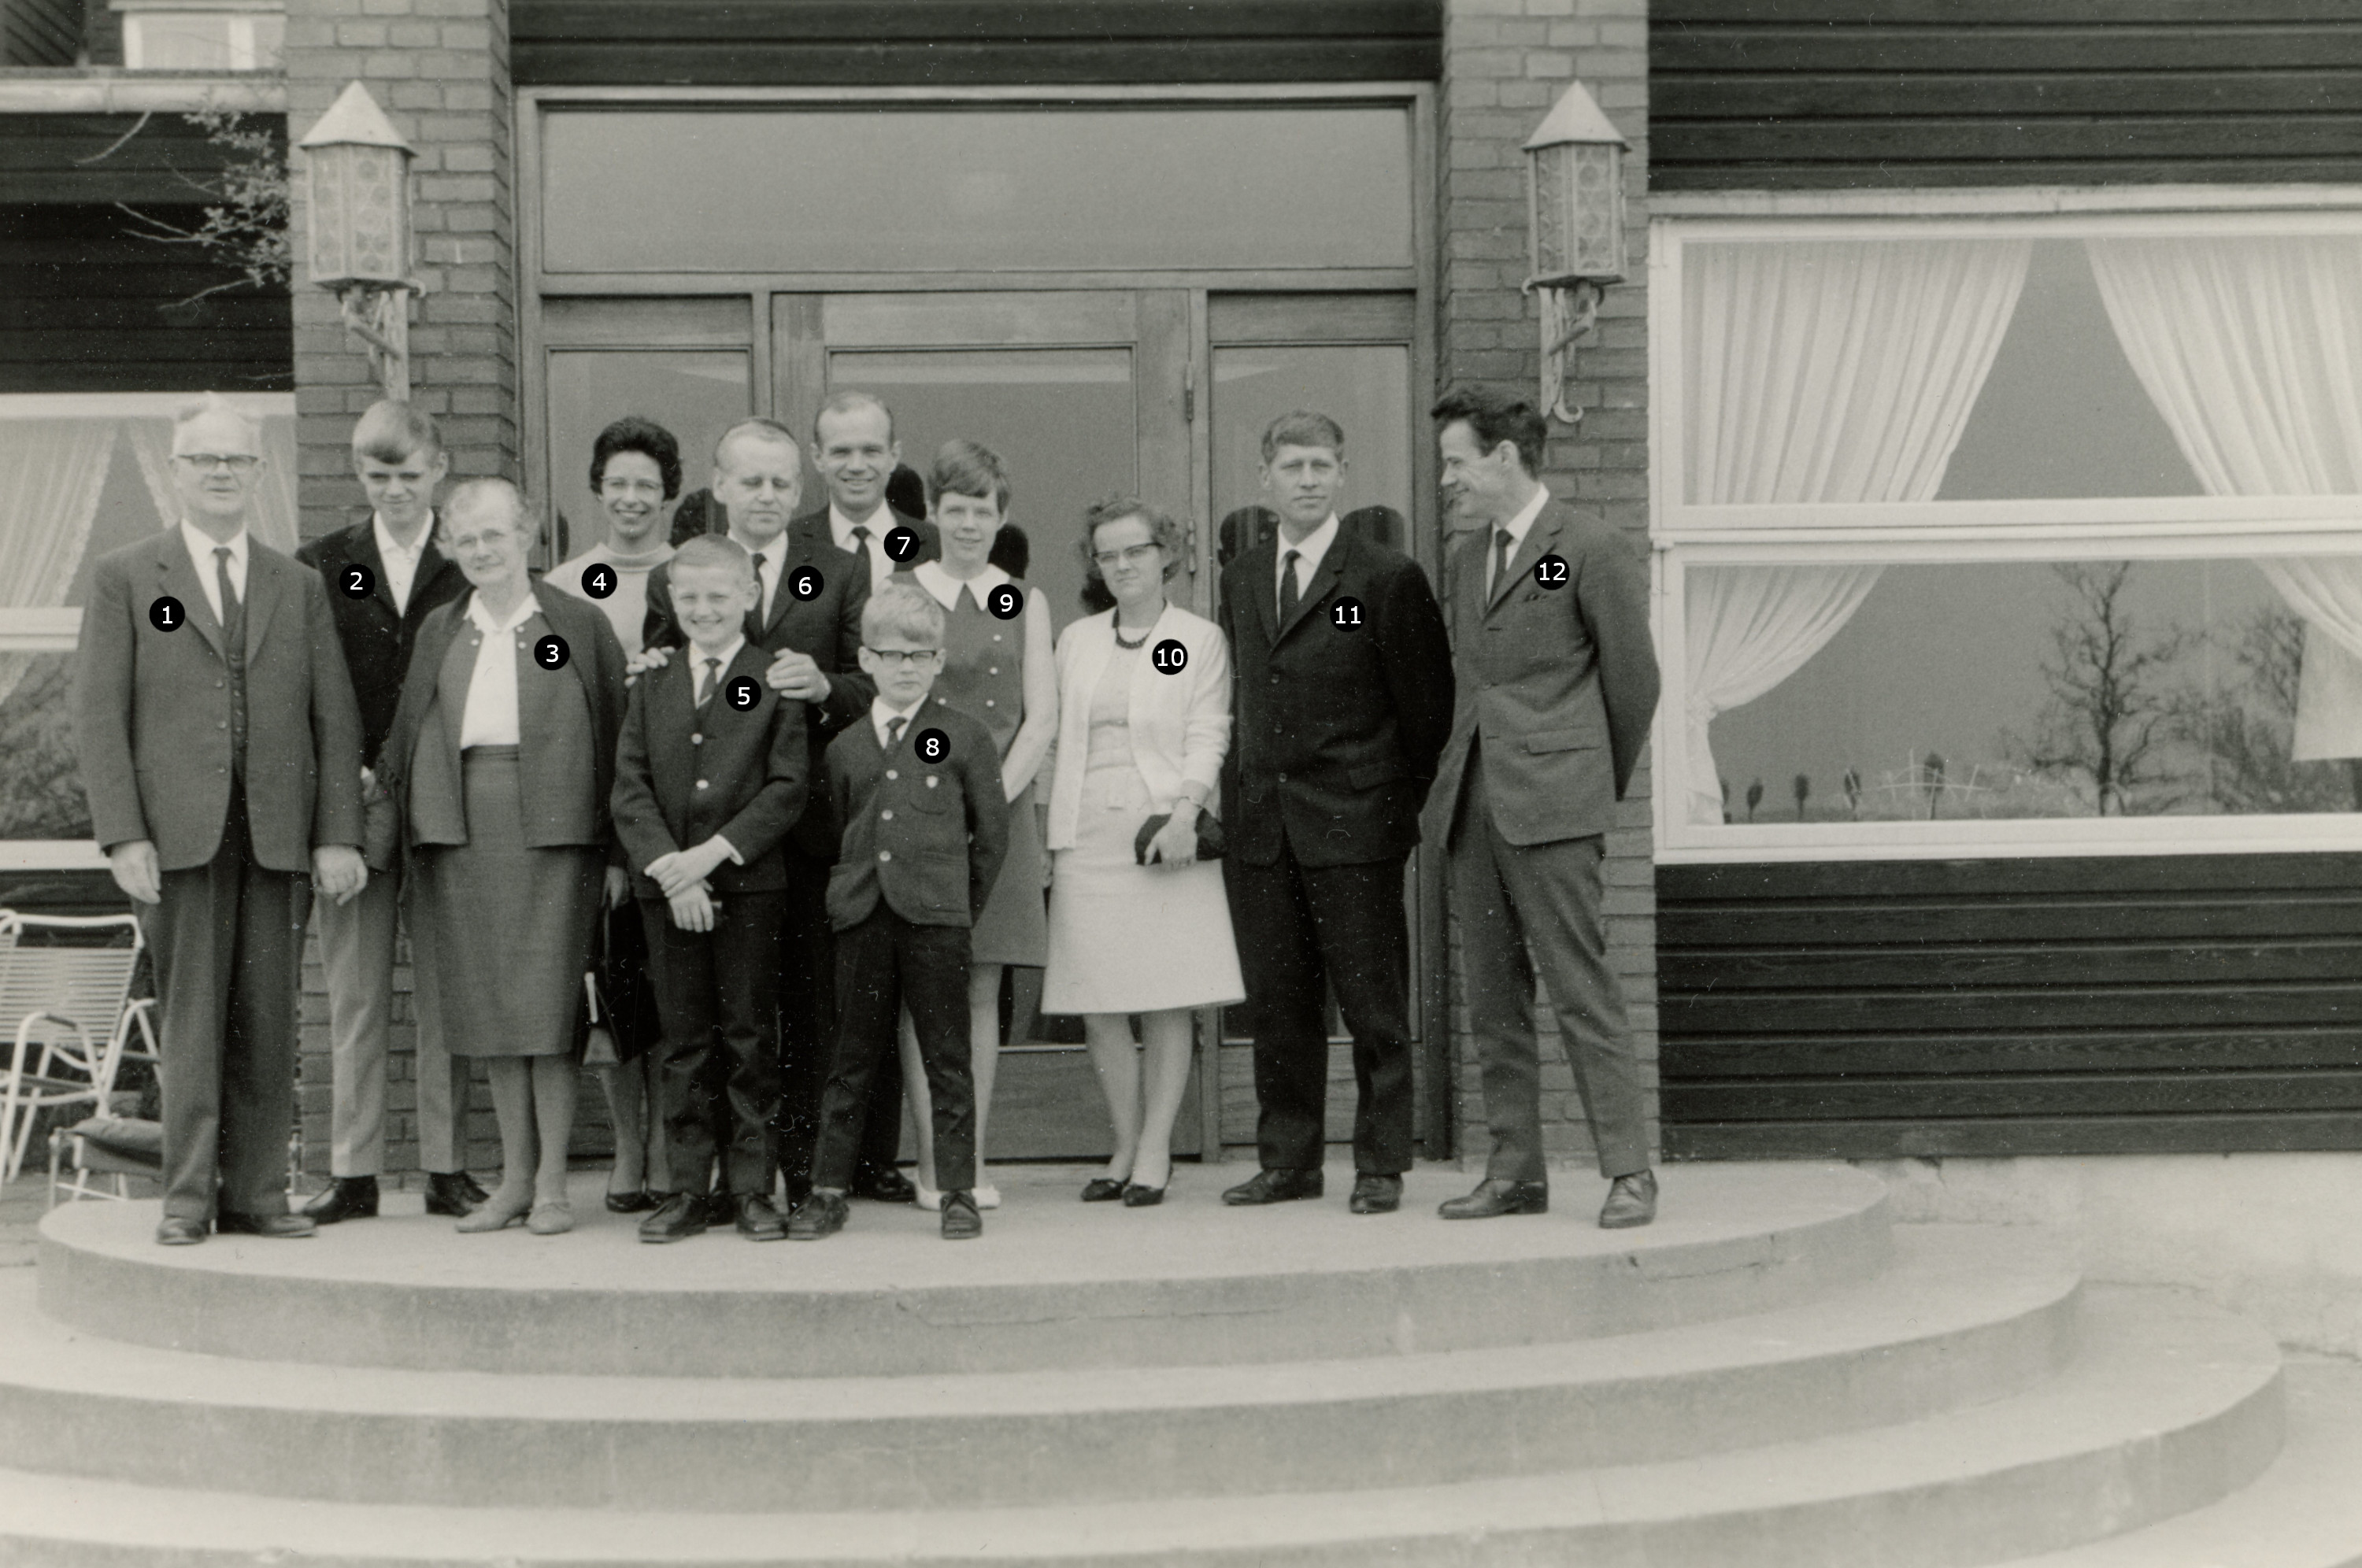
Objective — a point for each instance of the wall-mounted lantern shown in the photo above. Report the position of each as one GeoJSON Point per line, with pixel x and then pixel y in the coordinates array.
{"type": "Point", "coordinates": [1575, 228]}
{"type": "Point", "coordinates": [358, 181]}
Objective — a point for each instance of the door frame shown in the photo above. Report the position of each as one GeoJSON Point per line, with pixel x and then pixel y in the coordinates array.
{"type": "Point", "coordinates": [775, 386]}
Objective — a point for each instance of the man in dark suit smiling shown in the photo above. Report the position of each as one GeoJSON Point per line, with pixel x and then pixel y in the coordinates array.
{"type": "Point", "coordinates": [1342, 699]}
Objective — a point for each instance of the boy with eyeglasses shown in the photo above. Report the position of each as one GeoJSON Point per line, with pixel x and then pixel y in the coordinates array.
{"type": "Point", "coordinates": [916, 787]}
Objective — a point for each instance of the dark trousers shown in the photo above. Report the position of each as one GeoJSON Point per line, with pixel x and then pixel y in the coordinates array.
{"type": "Point", "coordinates": [1505, 896]}
{"type": "Point", "coordinates": [718, 991]}
{"type": "Point", "coordinates": [1299, 926]}
{"type": "Point", "coordinates": [883, 964]}
{"type": "Point", "coordinates": [808, 1039]}
{"type": "Point", "coordinates": [228, 944]}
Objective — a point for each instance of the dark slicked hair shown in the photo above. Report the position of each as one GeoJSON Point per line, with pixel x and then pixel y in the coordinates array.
{"type": "Point", "coordinates": [1495, 417]}
{"type": "Point", "coordinates": [645, 437]}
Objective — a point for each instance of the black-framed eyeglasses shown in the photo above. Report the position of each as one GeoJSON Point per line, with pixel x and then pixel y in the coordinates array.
{"type": "Point", "coordinates": [236, 462]}
{"type": "Point", "coordinates": [897, 658]}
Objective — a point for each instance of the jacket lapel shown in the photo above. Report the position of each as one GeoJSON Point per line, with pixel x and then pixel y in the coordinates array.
{"type": "Point", "coordinates": [179, 579]}
{"type": "Point", "coordinates": [1538, 539]}
{"type": "Point", "coordinates": [264, 588]}
{"type": "Point", "coordinates": [1324, 578]}
{"type": "Point", "coordinates": [1261, 572]}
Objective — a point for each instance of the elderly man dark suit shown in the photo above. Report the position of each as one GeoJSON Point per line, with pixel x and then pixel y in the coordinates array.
{"type": "Point", "coordinates": [1343, 698]}
{"type": "Point", "coordinates": [1558, 683]}
{"type": "Point", "coordinates": [221, 750]}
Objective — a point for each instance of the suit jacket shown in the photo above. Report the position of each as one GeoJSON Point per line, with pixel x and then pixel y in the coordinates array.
{"type": "Point", "coordinates": [928, 838]}
{"type": "Point", "coordinates": [1180, 723]}
{"type": "Point", "coordinates": [682, 776]}
{"type": "Point", "coordinates": [1557, 684]}
{"type": "Point", "coordinates": [1335, 733]}
{"type": "Point", "coordinates": [152, 712]}
{"type": "Point", "coordinates": [567, 771]}
{"type": "Point", "coordinates": [377, 638]}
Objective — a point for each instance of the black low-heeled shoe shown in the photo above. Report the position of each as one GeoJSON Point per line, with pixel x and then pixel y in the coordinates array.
{"type": "Point", "coordinates": [639, 1202]}
{"type": "Point", "coordinates": [1138, 1197]}
{"type": "Point", "coordinates": [1103, 1189]}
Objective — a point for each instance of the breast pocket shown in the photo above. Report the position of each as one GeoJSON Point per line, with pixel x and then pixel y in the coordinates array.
{"type": "Point", "coordinates": [933, 792]}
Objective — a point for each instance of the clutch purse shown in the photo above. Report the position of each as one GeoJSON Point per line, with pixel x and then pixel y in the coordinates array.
{"type": "Point", "coordinates": [1210, 843]}
{"type": "Point", "coordinates": [381, 824]}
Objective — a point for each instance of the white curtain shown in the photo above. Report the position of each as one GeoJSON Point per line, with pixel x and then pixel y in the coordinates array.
{"type": "Point", "coordinates": [52, 472]}
{"type": "Point", "coordinates": [1830, 371]}
{"type": "Point", "coordinates": [2252, 350]}
{"type": "Point", "coordinates": [275, 519]}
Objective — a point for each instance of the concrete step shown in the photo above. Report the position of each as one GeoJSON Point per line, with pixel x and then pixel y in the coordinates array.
{"type": "Point", "coordinates": [2172, 1405]}
{"type": "Point", "coordinates": [1051, 1284]}
{"type": "Point", "coordinates": [1969, 1314]}
{"type": "Point", "coordinates": [2305, 1511]}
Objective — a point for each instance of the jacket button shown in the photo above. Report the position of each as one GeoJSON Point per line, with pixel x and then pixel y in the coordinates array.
{"type": "Point", "coordinates": [701, 783]}
{"type": "Point", "coordinates": [884, 855]}
{"type": "Point", "coordinates": [930, 781]}
{"type": "Point", "coordinates": [994, 671]}
{"type": "Point", "coordinates": [223, 726]}
{"type": "Point", "coordinates": [891, 774]}
{"type": "Point", "coordinates": [1283, 777]}
{"type": "Point", "coordinates": [988, 702]}
{"type": "Point", "coordinates": [885, 816]}
{"type": "Point", "coordinates": [697, 740]}
{"type": "Point", "coordinates": [219, 684]}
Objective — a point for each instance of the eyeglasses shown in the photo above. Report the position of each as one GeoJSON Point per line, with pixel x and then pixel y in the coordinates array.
{"type": "Point", "coordinates": [899, 658]}
{"type": "Point", "coordinates": [1134, 555]}
{"type": "Point", "coordinates": [236, 462]}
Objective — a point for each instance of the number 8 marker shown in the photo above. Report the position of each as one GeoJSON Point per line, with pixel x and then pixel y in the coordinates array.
{"type": "Point", "coordinates": [933, 745]}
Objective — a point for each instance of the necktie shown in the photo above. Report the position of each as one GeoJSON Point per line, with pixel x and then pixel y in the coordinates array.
{"type": "Point", "coordinates": [233, 612]}
{"type": "Point", "coordinates": [1289, 593]}
{"type": "Point", "coordinates": [861, 548]}
{"type": "Point", "coordinates": [234, 657]}
{"type": "Point", "coordinates": [705, 684]}
{"type": "Point", "coordinates": [762, 593]}
{"type": "Point", "coordinates": [894, 731]}
{"type": "Point", "coordinates": [1502, 543]}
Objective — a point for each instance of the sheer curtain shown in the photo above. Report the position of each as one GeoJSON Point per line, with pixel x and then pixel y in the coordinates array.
{"type": "Point", "coordinates": [2252, 350]}
{"type": "Point", "coordinates": [1829, 372]}
{"type": "Point", "coordinates": [52, 472]}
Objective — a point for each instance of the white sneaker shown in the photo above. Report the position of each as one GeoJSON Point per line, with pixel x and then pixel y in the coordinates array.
{"type": "Point", "coordinates": [987, 1196]}
{"type": "Point", "coordinates": [929, 1198]}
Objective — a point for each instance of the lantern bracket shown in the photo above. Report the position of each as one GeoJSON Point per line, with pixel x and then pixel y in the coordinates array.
{"type": "Point", "coordinates": [1570, 311]}
{"type": "Point", "coordinates": [379, 315]}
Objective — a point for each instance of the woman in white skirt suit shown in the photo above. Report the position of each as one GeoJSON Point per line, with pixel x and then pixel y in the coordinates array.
{"type": "Point", "coordinates": [1140, 733]}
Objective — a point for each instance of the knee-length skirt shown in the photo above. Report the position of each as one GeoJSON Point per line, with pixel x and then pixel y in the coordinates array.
{"type": "Point", "coordinates": [1131, 938]}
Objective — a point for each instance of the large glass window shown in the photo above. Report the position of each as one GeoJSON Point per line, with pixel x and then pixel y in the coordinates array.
{"type": "Point", "coordinates": [2010, 535]}
{"type": "Point", "coordinates": [696, 394]}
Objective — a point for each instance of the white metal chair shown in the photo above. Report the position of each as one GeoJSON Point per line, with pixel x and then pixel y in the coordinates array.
{"type": "Point", "coordinates": [66, 1002]}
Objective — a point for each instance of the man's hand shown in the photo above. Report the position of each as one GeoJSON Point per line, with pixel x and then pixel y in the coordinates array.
{"type": "Point", "coordinates": [619, 887]}
{"type": "Point", "coordinates": [796, 675]}
{"type": "Point", "coordinates": [692, 908]}
{"type": "Point", "coordinates": [644, 660]}
{"type": "Point", "coordinates": [134, 867]}
{"type": "Point", "coordinates": [685, 869]}
{"type": "Point", "coordinates": [1177, 845]}
{"type": "Point", "coordinates": [338, 872]}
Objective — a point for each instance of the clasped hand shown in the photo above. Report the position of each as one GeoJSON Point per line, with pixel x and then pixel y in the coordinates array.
{"type": "Point", "coordinates": [1176, 844]}
{"type": "Point", "coordinates": [792, 674]}
{"type": "Point", "coordinates": [680, 877]}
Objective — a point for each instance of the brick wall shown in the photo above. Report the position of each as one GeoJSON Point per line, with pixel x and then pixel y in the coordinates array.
{"type": "Point", "coordinates": [439, 69]}
{"type": "Point", "coordinates": [1504, 64]}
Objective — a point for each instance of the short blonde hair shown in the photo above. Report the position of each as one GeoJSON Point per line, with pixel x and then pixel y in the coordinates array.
{"type": "Point", "coordinates": [906, 608]}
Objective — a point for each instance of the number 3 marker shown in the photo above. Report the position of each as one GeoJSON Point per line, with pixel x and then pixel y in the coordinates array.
{"type": "Point", "coordinates": [550, 652]}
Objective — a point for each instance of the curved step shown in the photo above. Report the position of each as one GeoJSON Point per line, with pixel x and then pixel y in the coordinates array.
{"type": "Point", "coordinates": [1969, 1314]}
{"type": "Point", "coordinates": [1050, 1285]}
{"type": "Point", "coordinates": [2173, 1405]}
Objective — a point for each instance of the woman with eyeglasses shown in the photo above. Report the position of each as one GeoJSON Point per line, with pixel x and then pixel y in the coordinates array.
{"type": "Point", "coordinates": [1138, 921]}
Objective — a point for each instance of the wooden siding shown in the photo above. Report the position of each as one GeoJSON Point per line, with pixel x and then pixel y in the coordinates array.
{"type": "Point", "coordinates": [85, 306]}
{"type": "Point", "coordinates": [40, 32]}
{"type": "Point", "coordinates": [835, 43]}
{"type": "Point", "coordinates": [96, 159]}
{"type": "Point", "coordinates": [2071, 1006]}
{"type": "Point", "coordinates": [1786, 94]}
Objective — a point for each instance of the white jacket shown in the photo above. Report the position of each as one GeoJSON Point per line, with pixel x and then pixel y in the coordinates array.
{"type": "Point", "coordinates": [1180, 723]}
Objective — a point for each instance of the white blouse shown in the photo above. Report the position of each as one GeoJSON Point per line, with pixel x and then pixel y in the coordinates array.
{"type": "Point", "coordinates": [490, 717]}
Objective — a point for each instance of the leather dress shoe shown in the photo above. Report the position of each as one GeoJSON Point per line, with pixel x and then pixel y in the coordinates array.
{"type": "Point", "coordinates": [637, 1202]}
{"type": "Point", "coordinates": [680, 1216]}
{"type": "Point", "coordinates": [1138, 1197]}
{"type": "Point", "coordinates": [281, 1225]}
{"type": "Point", "coordinates": [1376, 1194]}
{"type": "Point", "coordinates": [175, 1232]}
{"type": "Point", "coordinates": [454, 1194]}
{"type": "Point", "coordinates": [888, 1185]}
{"type": "Point", "coordinates": [1494, 1197]}
{"type": "Point", "coordinates": [822, 1214]}
{"type": "Point", "coordinates": [721, 1209]}
{"type": "Point", "coordinates": [757, 1220]}
{"type": "Point", "coordinates": [1631, 1200]}
{"type": "Point", "coordinates": [1103, 1189]}
{"type": "Point", "coordinates": [961, 1221]}
{"type": "Point", "coordinates": [346, 1197]}
{"type": "Point", "coordinates": [1276, 1186]}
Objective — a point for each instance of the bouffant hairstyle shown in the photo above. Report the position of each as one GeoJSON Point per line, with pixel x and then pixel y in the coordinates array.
{"type": "Point", "coordinates": [904, 608]}
{"type": "Point", "coordinates": [970, 467]}
{"type": "Point", "coordinates": [1495, 417]}
{"type": "Point", "coordinates": [1167, 533]}
{"type": "Point", "coordinates": [645, 437]}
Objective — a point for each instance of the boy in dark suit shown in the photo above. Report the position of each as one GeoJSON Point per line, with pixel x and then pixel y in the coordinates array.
{"type": "Point", "coordinates": [916, 787]}
{"type": "Point", "coordinates": [710, 776]}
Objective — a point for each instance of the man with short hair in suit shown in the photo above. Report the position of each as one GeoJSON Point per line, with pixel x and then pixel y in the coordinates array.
{"type": "Point", "coordinates": [383, 576]}
{"type": "Point", "coordinates": [221, 750]}
{"type": "Point", "coordinates": [1558, 683]}
{"type": "Point", "coordinates": [1342, 677]}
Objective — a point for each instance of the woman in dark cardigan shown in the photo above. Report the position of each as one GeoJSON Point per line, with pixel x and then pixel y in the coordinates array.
{"type": "Point", "coordinates": [501, 758]}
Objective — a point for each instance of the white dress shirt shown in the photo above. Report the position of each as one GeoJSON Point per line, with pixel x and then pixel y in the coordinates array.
{"type": "Point", "coordinates": [1516, 527]}
{"type": "Point", "coordinates": [1307, 557]}
{"type": "Point", "coordinates": [880, 522]}
{"type": "Point", "coordinates": [401, 561]}
{"type": "Point", "coordinates": [697, 667]}
{"type": "Point", "coordinates": [774, 556]}
{"type": "Point", "coordinates": [931, 576]}
{"type": "Point", "coordinates": [202, 546]}
{"type": "Point", "coordinates": [880, 715]}
{"type": "Point", "coordinates": [490, 717]}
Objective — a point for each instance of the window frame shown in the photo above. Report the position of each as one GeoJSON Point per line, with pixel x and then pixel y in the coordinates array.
{"type": "Point", "coordinates": [1683, 534]}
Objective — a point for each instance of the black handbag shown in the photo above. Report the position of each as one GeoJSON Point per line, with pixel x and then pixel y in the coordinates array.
{"type": "Point", "coordinates": [1210, 842]}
